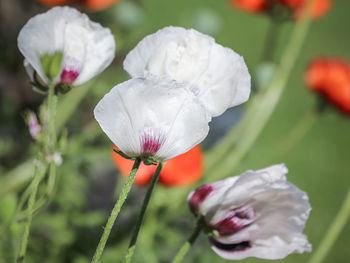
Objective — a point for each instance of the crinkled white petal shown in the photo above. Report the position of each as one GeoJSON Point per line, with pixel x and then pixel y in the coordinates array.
{"type": "Point", "coordinates": [154, 109]}
{"type": "Point", "coordinates": [280, 214]}
{"type": "Point", "coordinates": [272, 248]}
{"type": "Point", "coordinates": [91, 45]}
{"type": "Point", "coordinates": [218, 75]}
{"type": "Point", "coordinates": [87, 47]}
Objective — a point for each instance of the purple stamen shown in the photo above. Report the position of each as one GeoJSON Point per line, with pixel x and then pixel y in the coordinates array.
{"type": "Point", "coordinates": [68, 76]}
{"type": "Point", "coordinates": [199, 196]}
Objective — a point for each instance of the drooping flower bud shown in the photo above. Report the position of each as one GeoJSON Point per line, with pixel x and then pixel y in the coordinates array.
{"type": "Point", "coordinates": [33, 124]}
{"type": "Point", "coordinates": [257, 214]}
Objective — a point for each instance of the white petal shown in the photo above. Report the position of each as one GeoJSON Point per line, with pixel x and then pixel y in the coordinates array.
{"type": "Point", "coordinates": [280, 214]}
{"type": "Point", "coordinates": [218, 76]}
{"type": "Point", "coordinates": [44, 34]}
{"type": "Point", "coordinates": [87, 47]}
{"type": "Point", "coordinates": [29, 69]}
{"type": "Point", "coordinates": [92, 45]}
{"type": "Point", "coordinates": [155, 110]}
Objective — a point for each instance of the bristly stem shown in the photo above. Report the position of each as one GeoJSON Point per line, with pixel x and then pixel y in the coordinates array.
{"type": "Point", "coordinates": [38, 173]}
{"type": "Point", "coordinates": [188, 244]}
{"type": "Point", "coordinates": [141, 216]}
{"type": "Point", "coordinates": [116, 209]}
{"type": "Point", "coordinates": [40, 166]}
{"type": "Point", "coordinates": [333, 231]}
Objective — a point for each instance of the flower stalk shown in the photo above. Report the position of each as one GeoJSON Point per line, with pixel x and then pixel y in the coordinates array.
{"type": "Point", "coordinates": [333, 231]}
{"type": "Point", "coordinates": [188, 244]}
{"type": "Point", "coordinates": [39, 171]}
{"type": "Point", "coordinates": [116, 209]}
{"type": "Point", "coordinates": [40, 166]}
{"type": "Point", "coordinates": [141, 216]}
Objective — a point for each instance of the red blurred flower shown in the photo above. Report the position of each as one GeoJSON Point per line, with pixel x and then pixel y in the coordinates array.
{"type": "Point", "coordinates": [252, 6]}
{"type": "Point", "coordinates": [184, 169]}
{"type": "Point", "coordinates": [319, 7]}
{"type": "Point", "coordinates": [330, 77]}
{"type": "Point", "coordinates": [94, 5]}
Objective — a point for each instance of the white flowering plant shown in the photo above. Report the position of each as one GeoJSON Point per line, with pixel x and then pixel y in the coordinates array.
{"type": "Point", "coordinates": [182, 106]}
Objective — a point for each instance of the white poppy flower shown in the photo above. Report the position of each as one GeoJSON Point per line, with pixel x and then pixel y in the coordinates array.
{"type": "Point", "coordinates": [217, 75]}
{"type": "Point", "coordinates": [153, 117]}
{"type": "Point", "coordinates": [257, 214]}
{"type": "Point", "coordinates": [83, 48]}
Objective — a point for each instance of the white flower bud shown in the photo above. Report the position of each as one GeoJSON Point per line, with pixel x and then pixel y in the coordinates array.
{"type": "Point", "coordinates": [257, 214]}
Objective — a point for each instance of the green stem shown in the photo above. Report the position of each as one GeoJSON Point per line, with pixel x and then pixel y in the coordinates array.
{"type": "Point", "coordinates": [261, 108]}
{"type": "Point", "coordinates": [38, 173]}
{"type": "Point", "coordinates": [297, 133]}
{"type": "Point", "coordinates": [271, 41]}
{"type": "Point", "coordinates": [333, 231]}
{"type": "Point", "coordinates": [215, 155]}
{"type": "Point", "coordinates": [116, 209]}
{"type": "Point", "coordinates": [51, 116]}
{"type": "Point", "coordinates": [188, 244]}
{"type": "Point", "coordinates": [51, 179]}
{"type": "Point", "coordinates": [141, 216]}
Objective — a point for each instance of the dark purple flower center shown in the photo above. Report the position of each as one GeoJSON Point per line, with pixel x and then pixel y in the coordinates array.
{"type": "Point", "coordinates": [68, 76]}
{"type": "Point", "coordinates": [199, 195]}
{"type": "Point", "coordinates": [234, 247]}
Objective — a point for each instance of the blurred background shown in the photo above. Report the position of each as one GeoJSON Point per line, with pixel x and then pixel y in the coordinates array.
{"type": "Point", "coordinates": [69, 227]}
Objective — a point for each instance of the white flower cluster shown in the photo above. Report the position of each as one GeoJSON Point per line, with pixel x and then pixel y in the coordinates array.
{"type": "Point", "coordinates": [180, 79]}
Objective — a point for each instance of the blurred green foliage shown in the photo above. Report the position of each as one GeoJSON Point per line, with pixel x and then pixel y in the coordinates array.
{"type": "Point", "coordinates": [69, 227]}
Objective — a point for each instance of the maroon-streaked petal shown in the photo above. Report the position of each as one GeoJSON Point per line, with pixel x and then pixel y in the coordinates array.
{"type": "Point", "coordinates": [150, 144]}
{"type": "Point", "coordinates": [68, 76]}
{"type": "Point", "coordinates": [198, 196]}
{"type": "Point", "coordinates": [238, 219]}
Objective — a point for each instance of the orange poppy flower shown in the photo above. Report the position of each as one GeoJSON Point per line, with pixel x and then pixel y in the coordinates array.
{"type": "Point", "coordinates": [252, 6]}
{"type": "Point", "coordinates": [184, 169]}
{"type": "Point", "coordinates": [330, 77]}
{"type": "Point", "coordinates": [319, 7]}
{"type": "Point", "coordinates": [94, 5]}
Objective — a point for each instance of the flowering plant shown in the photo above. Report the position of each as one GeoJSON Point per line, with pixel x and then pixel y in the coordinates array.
{"type": "Point", "coordinates": [167, 89]}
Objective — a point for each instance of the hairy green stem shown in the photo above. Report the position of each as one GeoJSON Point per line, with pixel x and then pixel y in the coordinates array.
{"type": "Point", "coordinates": [38, 173]}
{"type": "Point", "coordinates": [116, 209]}
{"type": "Point", "coordinates": [188, 244]}
{"type": "Point", "coordinates": [333, 231]}
{"type": "Point", "coordinates": [141, 216]}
